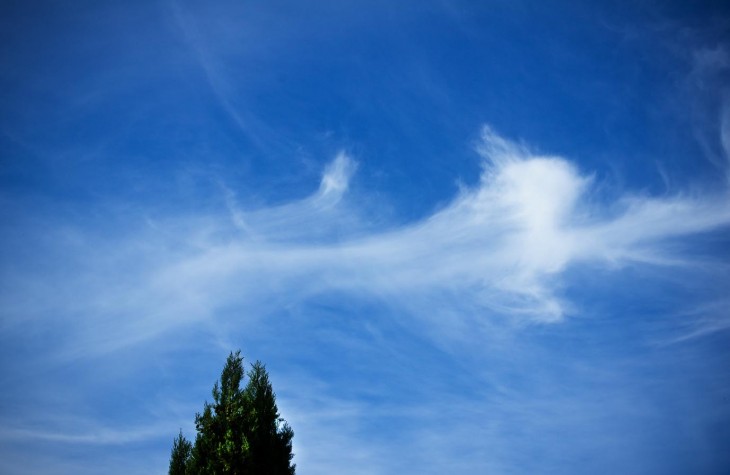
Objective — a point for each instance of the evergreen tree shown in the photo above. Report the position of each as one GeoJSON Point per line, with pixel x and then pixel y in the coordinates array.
{"type": "Point", "coordinates": [181, 452]}
{"type": "Point", "coordinates": [240, 432]}
{"type": "Point", "coordinates": [221, 446]}
{"type": "Point", "coordinates": [269, 435]}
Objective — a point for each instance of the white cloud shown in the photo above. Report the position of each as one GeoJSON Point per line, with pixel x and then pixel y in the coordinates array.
{"type": "Point", "coordinates": [108, 436]}
{"type": "Point", "coordinates": [498, 249]}
{"type": "Point", "coordinates": [706, 319]}
{"type": "Point", "coordinates": [336, 178]}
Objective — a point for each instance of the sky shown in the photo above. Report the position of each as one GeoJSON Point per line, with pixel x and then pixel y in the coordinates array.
{"type": "Point", "coordinates": [464, 237]}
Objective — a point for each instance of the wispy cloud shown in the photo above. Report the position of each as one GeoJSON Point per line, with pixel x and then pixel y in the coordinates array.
{"type": "Point", "coordinates": [219, 84]}
{"type": "Point", "coordinates": [709, 101]}
{"type": "Point", "coordinates": [499, 248]}
{"type": "Point", "coordinates": [109, 436]}
{"type": "Point", "coordinates": [703, 320]}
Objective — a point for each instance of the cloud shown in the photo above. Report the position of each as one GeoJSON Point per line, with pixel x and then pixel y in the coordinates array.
{"type": "Point", "coordinates": [498, 250]}
{"type": "Point", "coordinates": [222, 87]}
{"type": "Point", "coordinates": [709, 99]}
{"type": "Point", "coordinates": [336, 178]}
{"type": "Point", "coordinates": [100, 437]}
{"type": "Point", "coordinates": [705, 319]}
{"type": "Point", "coordinates": [498, 246]}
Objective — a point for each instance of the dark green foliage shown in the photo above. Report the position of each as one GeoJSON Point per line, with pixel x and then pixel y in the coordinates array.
{"type": "Point", "coordinates": [241, 432]}
{"type": "Point", "coordinates": [181, 451]}
{"type": "Point", "coordinates": [270, 437]}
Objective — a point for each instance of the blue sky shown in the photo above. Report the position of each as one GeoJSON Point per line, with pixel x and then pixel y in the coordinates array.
{"type": "Point", "coordinates": [465, 237]}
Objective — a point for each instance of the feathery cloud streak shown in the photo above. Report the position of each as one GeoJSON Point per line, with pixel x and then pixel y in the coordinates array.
{"type": "Point", "coordinates": [497, 249]}
{"type": "Point", "coordinates": [530, 218]}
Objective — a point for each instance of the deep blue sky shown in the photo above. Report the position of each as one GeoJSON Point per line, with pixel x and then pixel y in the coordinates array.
{"type": "Point", "coordinates": [465, 237]}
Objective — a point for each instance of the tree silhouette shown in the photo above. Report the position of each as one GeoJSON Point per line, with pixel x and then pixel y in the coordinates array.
{"type": "Point", "coordinates": [181, 451]}
{"type": "Point", "coordinates": [240, 432]}
{"type": "Point", "coordinates": [270, 437]}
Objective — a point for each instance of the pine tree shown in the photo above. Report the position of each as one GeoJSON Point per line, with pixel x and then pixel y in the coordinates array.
{"type": "Point", "coordinates": [240, 432]}
{"type": "Point", "coordinates": [181, 452]}
{"type": "Point", "coordinates": [269, 435]}
{"type": "Point", "coordinates": [221, 446]}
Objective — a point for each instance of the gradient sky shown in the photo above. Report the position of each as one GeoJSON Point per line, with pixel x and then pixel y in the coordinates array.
{"type": "Point", "coordinates": [465, 237]}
